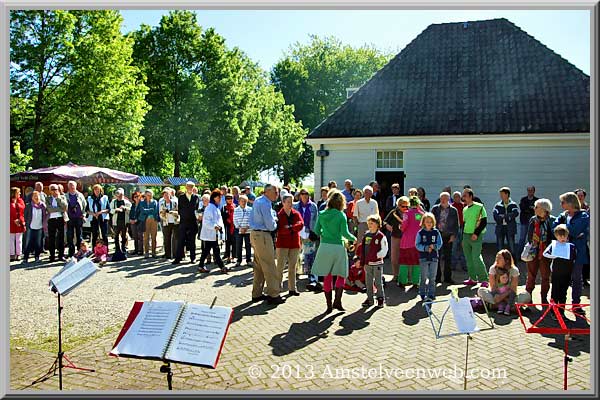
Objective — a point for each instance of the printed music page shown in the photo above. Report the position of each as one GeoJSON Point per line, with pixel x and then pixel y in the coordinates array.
{"type": "Point", "coordinates": [149, 334]}
{"type": "Point", "coordinates": [200, 335]}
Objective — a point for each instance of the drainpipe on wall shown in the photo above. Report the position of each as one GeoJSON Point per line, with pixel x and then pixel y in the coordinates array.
{"type": "Point", "coordinates": [322, 153]}
{"type": "Point", "coordinates": [321, 148]}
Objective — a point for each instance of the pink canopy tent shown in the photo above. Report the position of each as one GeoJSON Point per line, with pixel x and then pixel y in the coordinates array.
{"type": "Point", "coordinates": [81, 173]}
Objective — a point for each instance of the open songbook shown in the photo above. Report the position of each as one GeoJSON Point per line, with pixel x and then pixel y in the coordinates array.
{"type": "Point", "coordinates": [72, 275]}
{"type": "Point", "coordinates": [174, 331]}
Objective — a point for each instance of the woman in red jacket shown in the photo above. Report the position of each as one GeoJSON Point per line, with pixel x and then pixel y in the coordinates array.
{"type": "Point", "coordinates": [17, 223]}
{"type": "Point", "coordinates": [289, 225]}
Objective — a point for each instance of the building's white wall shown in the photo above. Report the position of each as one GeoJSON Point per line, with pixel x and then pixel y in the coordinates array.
{"type": "Point", "coordinates": [554, 166]}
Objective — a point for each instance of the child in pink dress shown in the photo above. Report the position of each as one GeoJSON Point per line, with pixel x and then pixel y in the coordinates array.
{"type": "Point", "coordinates": [100, 252]}
{"type": "Point", "coordinates": [409, 255]}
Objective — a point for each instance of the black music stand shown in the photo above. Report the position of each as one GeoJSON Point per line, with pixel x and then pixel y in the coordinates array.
{"type": "Point", "coordinates": [58, 361]}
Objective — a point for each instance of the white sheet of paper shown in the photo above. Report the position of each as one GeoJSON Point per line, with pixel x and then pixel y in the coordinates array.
{"type": "Point", "coordinates": [199, 335]}
{"type": "Point", "coordinates": [304, 234]}
{"type": "Point", "coordinates": [149, 334]}
{"type": "Point", "coordinates": [463, 315]}
{"type": "Point", "coordinates": [70, 276]}
{"type": "Point", "coordinates": [561, 250]}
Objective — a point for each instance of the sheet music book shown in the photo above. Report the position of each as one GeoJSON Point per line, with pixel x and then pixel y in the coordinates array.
{"type": "Point", "coordinates": [464, 317]}
{"type": "Point", "coordinates": [174, 331]}
{"type": "Point", "coordinates": [559, 250]}
{"type": "Point", "coordinates": [72, 275]}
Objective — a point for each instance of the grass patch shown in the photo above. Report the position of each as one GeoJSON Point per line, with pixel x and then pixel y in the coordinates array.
{"type": "Point", "coordinates": [49, 343]}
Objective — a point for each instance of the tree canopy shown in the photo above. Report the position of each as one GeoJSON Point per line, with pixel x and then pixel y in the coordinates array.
{"type": "Point", "coordinates": [75, 95]}
{"type": "Point", "coordinates": [314, 77]}
{"type": "Point", "coordinates": [172, 99]}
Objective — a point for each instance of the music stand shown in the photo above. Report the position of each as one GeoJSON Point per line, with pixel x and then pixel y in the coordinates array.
{"type": "Point", "coordinates": [562, 330]}
{"type": "Point", "coordinates": [440, 321]}
{"type": "Point", "coordinates": [59, 289]}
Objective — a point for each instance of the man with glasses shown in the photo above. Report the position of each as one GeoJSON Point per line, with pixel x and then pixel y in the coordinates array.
{"type": "Point", "coordinates": [75, 208]}
{"type": "Point", "coordinates": [262, 222]}
{"type": "Point", "coordinates": [56, 205]}
{"type": "Point", "coordinates": [447, 223]}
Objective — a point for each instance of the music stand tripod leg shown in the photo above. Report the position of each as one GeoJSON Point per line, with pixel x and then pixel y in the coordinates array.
{"type": "Point", "coordinates": [166, 368]}
{"type": "Point", "coordinates": [466, 363]}
{"type": "Point", "coordinates": [567, 360]}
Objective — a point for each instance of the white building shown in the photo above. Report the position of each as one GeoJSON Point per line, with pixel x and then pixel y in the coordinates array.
{"type": "Point", "coordinates": [479, 103]}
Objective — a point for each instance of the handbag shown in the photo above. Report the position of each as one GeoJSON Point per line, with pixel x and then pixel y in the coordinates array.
{"type": "Point", "coordinates": [527, 254]}
{"type": "Point", "coordinates": [313, 237]}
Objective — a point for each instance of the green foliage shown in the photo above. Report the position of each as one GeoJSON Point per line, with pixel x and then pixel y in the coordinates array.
{"type": "Point", "coordinates": [314, 77]}
{"type": "Point", "coordinates": [169, 56]}
{"type": "Point", "coordinates": [18, 159]}
{"type": "Point", "coordinates": [214, 114]}
{"type": "Point", "coordinates": [85, 100]}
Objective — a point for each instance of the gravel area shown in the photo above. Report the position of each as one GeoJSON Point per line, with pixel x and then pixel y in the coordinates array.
{"type": "Point", "coordinates": [104, 301]}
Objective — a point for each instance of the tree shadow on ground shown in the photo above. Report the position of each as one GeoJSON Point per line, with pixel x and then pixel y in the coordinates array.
{"type": "Point", "coordinates": [301, 334]}
{"type": "Point", "coordinates": [355, 321]}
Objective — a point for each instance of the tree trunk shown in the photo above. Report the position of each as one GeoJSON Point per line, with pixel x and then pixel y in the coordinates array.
{"type": "Point", "coordinates": [286, 177]}
{"type": "Point", "coordinates": [177, 162]}
{"type": "Point", "coordinates": [38, 141]}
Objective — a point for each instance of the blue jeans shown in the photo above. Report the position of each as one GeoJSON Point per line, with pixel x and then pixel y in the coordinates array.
{"type": "Point", "coordinates": [576, 283]}
{"type": "Point", "coordinates": [428, 272]}
{"type": "Point", "coordinates": [504, 240]}
{"type": "Point", "coordinates": [522, 238]}
{"type": "Point", "coordinates": [240, 242]}
{"type": "Point", "coordinates": [33, 240]}
{"type": "Point", "coordinates": [458, 257]}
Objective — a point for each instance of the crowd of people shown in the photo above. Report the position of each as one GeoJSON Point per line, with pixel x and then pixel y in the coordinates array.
{"type": "Point", "coordinates": [340, 240]}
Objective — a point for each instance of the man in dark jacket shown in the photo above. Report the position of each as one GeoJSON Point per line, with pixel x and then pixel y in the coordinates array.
{"type": "Point", "coordinates": [188, 202]}
{"type": "Point", "coordinates": [390, 203]}
{"type": "Point", "coordinates": [526, 206]}
{"type": "Point", "coordinates": [506, 212]}
{"type": "Point", "coordinates": [446, 218]}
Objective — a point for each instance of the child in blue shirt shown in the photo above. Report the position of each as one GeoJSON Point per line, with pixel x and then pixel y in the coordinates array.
{"type": "Point", "coordinates": [428, 242]}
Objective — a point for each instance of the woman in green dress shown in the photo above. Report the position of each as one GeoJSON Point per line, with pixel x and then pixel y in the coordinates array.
{"type": "Point", "coordinates": [331, 259]}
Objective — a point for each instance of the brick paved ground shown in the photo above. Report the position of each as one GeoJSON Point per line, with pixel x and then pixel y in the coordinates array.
{"type": "Point", "coordinates": [288, 347]}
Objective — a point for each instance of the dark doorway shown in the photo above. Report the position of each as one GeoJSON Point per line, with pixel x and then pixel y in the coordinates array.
{"type": "Point", "coordinates": [386, 180]}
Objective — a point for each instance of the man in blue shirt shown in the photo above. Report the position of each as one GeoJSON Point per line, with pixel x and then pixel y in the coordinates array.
{"type": "Point", "coordinates": [263, 221]}
{"type": "Point", "coordinates": [347, 192]}
{"type": "Point", "coordinates": [250, 195]}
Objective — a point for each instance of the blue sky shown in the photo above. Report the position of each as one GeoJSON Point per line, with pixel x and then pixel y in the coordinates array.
{"type": "Point", "coordinates": [265, 35]}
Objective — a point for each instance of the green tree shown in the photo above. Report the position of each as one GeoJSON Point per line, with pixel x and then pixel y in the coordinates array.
{"type": "Point", "coordinates": [18, 159]}
{"type": "Point", "coordinates": [231, 109]}
{"type": "Point", "coordinates": [169, 55]}
{"type": "Point", "coordinates": [87, 100]}
{"type": "Point", "coordinates": [314, 77]}
{"type": "Point", "coordinates": [281, 138]}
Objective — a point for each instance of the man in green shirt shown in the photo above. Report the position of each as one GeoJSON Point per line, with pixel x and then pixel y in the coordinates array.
{"type": "Point", "coordinates": [475, 221]}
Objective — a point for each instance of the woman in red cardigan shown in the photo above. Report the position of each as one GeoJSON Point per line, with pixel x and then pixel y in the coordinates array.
{"type": "Point", "coordinates": [17, 223]}
{"type": "Point", "coordinates": [289, 225]}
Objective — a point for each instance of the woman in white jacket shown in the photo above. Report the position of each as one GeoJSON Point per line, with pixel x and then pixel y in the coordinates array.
{"type": "Point", "coordinates": [212, 224]}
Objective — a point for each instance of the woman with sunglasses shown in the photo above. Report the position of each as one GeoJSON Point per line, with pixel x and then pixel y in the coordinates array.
{"type": "Point", "coordinates": [393, 223]}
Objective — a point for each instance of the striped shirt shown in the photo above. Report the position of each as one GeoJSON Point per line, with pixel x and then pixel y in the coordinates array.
{"type": "Point", "coordinates": [241, 217]}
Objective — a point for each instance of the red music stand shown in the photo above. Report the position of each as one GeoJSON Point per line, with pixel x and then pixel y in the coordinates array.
{"type": "Point", "coordinates": [563, 330]}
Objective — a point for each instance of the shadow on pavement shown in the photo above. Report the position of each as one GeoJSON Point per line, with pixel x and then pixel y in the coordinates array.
{"type": "Point", "coordinates": [301, 334]}
{"type": "Point", "coordinates": [355, 321]}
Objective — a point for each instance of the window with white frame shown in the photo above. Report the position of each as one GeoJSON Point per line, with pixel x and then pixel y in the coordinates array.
{"type": "Point", "coordinates": [390, 159]}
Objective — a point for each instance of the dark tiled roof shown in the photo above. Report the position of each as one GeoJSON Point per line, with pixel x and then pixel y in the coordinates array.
{"type": "Point", "coordinates": [178, 181]}
{"type": "Point", "coordinates": [467, 78]}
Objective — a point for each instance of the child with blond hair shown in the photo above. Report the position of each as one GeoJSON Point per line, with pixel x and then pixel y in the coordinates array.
{"type": "Point", "coordinates": [428, 242]}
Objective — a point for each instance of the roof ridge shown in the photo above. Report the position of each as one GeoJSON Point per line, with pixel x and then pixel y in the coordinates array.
{"type": "Point", "coordinates": [449, 80]}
